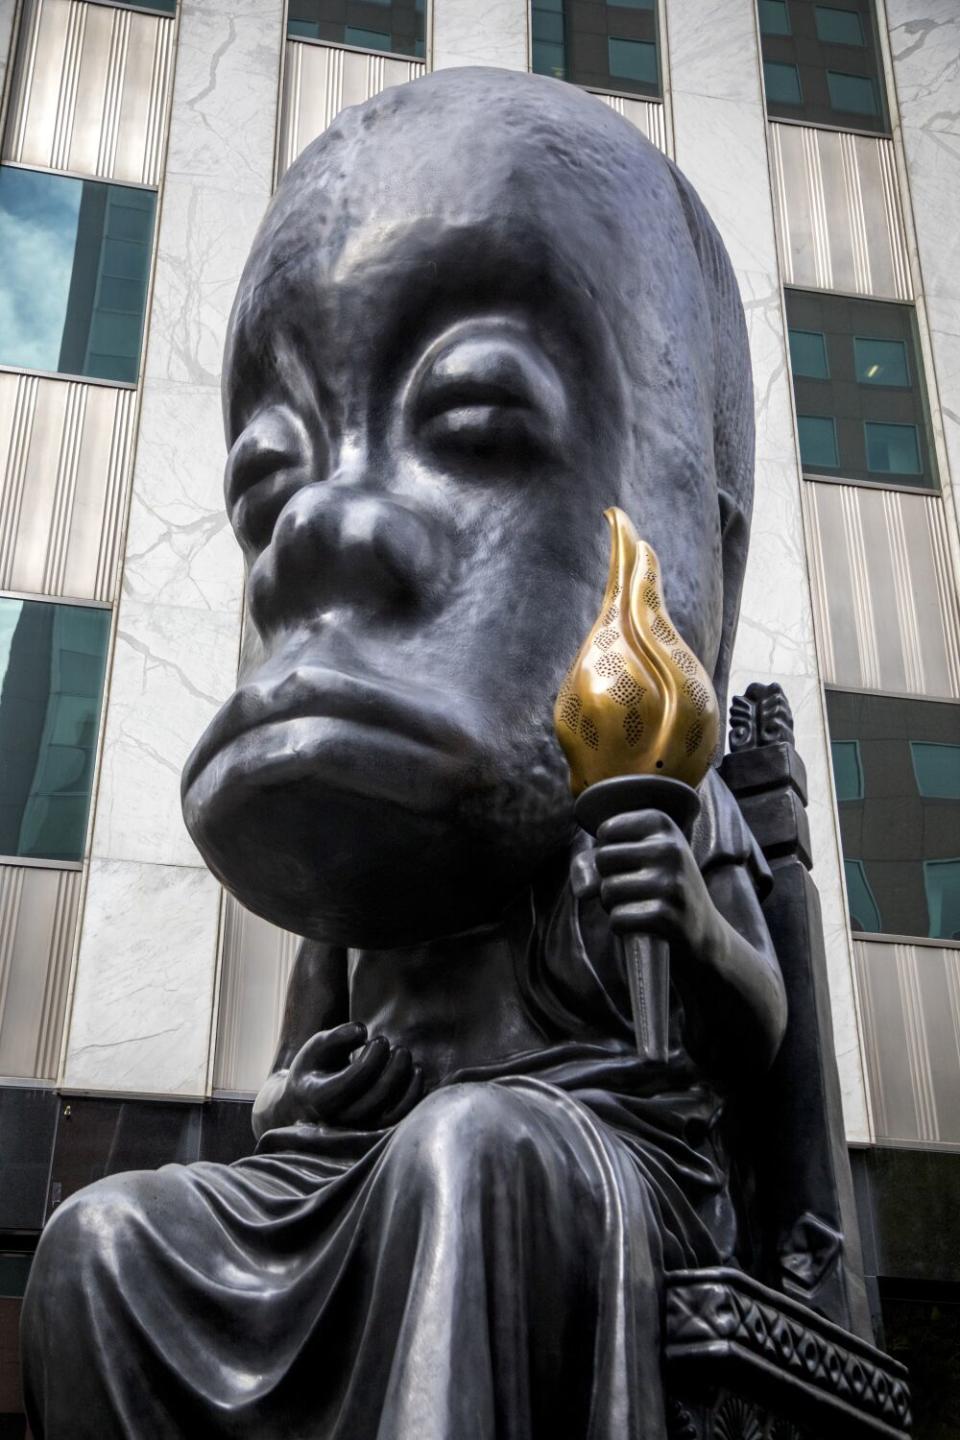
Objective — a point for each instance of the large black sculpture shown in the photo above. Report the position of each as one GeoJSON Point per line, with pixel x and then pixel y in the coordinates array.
{"type": "Point", "coordinates": [480, 309]}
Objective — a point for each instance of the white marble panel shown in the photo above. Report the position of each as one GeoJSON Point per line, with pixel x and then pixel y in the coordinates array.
{"type": "Point", "coordinates": [172, 670]}
{"type": "Point", "coordinates": [725, 66]}
{"type": "Point", "coordinates": [772, 395]}
{"type": "Point", "coordinates": [144, 991]}
{"type": "Point", "coordinates": [720, 147]}
{"type": "Point", "coordinates": [179, 623]}
{"type": "Point", "coordinates": [481, 32]}
{"type": "Point", "coordinates": [205, 237]}
{"type": "Point", "coordinates": [925, 43]}
{"type": "Point", "coordinates": [228, 74]}
{"type": "Point", "coordinates": [180, 549]}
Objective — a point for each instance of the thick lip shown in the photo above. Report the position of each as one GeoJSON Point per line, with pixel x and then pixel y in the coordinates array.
{"type": "Point", "coordinates": [314, 691]}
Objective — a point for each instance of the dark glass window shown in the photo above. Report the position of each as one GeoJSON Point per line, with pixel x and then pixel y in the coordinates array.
{"type": "Point", "coordinates": [847, 770]}
{"type": "Point", "coordinates": [853, 94]}
{"type": "Point", "coordinates": [881, 362]}
{"type": "Point", "coordinates": [822, 63]}
{"type": "Point", "coordinates": [808, 354]}
{"type": "Point", "coordinates": [73, 282]}
{"type": "Point", "coordinates": [901, 832]}
{"type": "Point", "coordinates": [838, 27]}
{"type": "Point", "coordinates": [818, 442]}
{"type": "Point", "coordinates": [164, 7]}
{"type": "Point", "coordinates": [51, 683]}
{"type": "Point", "coordinates": [782, 82]}
{"type": "Point", "coordinates": [869, 381]}
{"type": "Point", "coordinates": [605, 47]}
{"type": "Point", "coordinates": [774, 17]}
{"type": "Point", "coordinates": [396, 27]}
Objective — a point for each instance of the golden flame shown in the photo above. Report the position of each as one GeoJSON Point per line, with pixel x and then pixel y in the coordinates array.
{"type": "Point", "coordinates": [636, 700]}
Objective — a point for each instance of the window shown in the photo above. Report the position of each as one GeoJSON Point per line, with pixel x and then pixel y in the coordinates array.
{"type": "Point", "coordinates": [822, 63]}
{"type": "Point", "coordinates": [782, 82]}
{"type": "Point", "coordinates": [51, 680]}
{"type": "Point", "coordinates": [396, 28]}
{"type": "Point", "coordinates": [847, 770]}
{"type": "Point", "coordinates": [857, 361]}
{"type": "Point", "coordinates": [164, 7]}
{"type": "Point", "coordinates": [855, 94]}
{"type": "Point", "coordinates": [808, 354]}
{"type": "Point", "coordinates": [881, 362]}
{"type": "Point", "coordinates": [941, 879]}
{"type": "Point", "coordinates": [611, 48]}
{"type": "Point", "coordinates": [864, 915]}
{"type": "Point", "coordinates": [838, 27]}
{"type": "Point", "coordinates": [73, 282]}
{"type": "Point", "coordinates": [937, 770]}
{"type": "Point", "coordinates": [900, 833]}
{"type": "Point", "coordinates": [634, 60]}
{"type": "Point", "coordinates": [774, 17]}
{"type": "Point", "coordinates": [892, 449]}
{"type": "Point", "coordinates": [818, 442]}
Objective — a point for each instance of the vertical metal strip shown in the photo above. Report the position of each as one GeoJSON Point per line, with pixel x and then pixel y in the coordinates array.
{"type": "Point", "coordinates": [69, 82]}
{"type": "Point", "coordinates": [65, 490]}
{"type": "Point", "coordinates": [113, 97]}
{"type": "Point", "coordinates": [856, 215]}
{"type": "Point", "coordinates": [918, 1049]}
{"type": "Point", "coordinates": [11, 892]}
{"type": "Point", "coordinates": [157, 109]}
{"type": "Point", "coordinates": [58, 972]}
{"type": "Point", "coordinates": [871, 1039]}
{"type": "Point", "coordinates": [26, 72]}
{"type": "Point", "coordinates": [896, 228]}
{"type": "Point", "coordinates": [863, 615]}
{"type": "Point", "coordinates": [810, 500]}
{"type": "Point", "coordinates": [949, 605]}
{"type": "Point", "coordinates": [906, 608]}
{"type": "Point", "coordinates": [14, 479]}
{"type": "Point", "coordinates": [118, 469]}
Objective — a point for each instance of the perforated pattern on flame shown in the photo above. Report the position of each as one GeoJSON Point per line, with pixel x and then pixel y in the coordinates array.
{"type": "Point", "coordinates": [636, 699]}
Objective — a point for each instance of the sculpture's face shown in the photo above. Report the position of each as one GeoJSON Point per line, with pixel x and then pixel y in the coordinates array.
{"type": "Point", "coordinates": [451, 350]}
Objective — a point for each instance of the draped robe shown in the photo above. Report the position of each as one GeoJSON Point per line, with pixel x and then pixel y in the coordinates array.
{"type": "Point", "coordinates": [491, 1266]}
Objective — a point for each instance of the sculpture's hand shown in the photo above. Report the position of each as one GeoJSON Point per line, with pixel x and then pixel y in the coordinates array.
{"type": "Point", "coordinates": [651, 884]}
{"type": "Point", "coordinates": [324, 1085]}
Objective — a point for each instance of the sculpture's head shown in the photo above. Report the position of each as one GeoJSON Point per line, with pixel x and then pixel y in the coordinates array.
{"type": "Point", "coordinates": [481, 308]}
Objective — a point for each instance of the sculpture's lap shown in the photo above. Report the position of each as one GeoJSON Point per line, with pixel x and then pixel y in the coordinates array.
{"type": "Point", "coordinates": [488, 1268]}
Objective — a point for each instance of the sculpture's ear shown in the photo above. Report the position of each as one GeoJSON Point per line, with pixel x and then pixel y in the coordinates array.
{"type": "Point", "coordinates": [734, 540]}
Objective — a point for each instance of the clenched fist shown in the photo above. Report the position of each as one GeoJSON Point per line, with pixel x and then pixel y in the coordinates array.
{"type": "Point", "coordinates": [651, 884]}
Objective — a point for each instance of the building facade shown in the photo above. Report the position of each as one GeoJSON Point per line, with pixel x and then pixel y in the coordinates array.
{"type": "Point", "coordinates": [139, 146]}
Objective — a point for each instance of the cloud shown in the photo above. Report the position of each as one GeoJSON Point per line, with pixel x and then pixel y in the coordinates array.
{"type": "Point", "coordinates": [38, 231]}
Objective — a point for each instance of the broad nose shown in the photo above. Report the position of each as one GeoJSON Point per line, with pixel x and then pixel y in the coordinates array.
{"type": "Point", "coordinates": [339, 544]}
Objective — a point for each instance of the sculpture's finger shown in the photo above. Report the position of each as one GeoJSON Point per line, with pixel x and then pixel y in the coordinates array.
{"type": "Point", "coordinates": [617, 859]}
{"type": "Point", "coordinates": [405, 1104]}
{"type": "Point", "coordinates": [328, 1049]}
{"type": "Point", "coordinates": [359, 1075]}
{"type": "Point", "coordinates": [389, 1085]}
{"type": "Point", "coordinates": [634, 825]}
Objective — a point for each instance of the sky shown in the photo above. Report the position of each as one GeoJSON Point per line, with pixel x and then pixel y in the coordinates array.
{"type": "Point", "coordinates": [38, 231]}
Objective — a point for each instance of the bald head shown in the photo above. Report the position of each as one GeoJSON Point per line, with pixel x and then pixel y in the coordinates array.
{"type": "Point", "coordinates": [481, 309]}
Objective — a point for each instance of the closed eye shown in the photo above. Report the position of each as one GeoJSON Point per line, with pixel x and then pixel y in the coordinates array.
{"type": "Point", "coordinates": [486, 391]}
{"type": "Point", "coordinates": [268, 464]}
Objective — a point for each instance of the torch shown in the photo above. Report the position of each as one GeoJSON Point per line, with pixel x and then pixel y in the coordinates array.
{"type": "Point", "coordinates": [638, 721]}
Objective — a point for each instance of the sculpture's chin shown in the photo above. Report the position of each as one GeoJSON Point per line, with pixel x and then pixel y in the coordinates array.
{"type": "Point", "coordinates": [350, 836]}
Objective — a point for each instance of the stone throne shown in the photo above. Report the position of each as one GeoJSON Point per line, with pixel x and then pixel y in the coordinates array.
{"type": "Point", "coordinates": [788, 1357]}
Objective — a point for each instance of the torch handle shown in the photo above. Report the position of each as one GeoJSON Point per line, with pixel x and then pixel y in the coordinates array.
{"type": "Point", "coordinates": [647, 962]}
{"type": "Point", "coordinates": [646, 957]}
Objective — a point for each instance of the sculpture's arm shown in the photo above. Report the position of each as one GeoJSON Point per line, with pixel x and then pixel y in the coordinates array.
{"type": "Point", "coordinates": [722, 958]}
{"type": "Point", "coordinates": [320, 1072]}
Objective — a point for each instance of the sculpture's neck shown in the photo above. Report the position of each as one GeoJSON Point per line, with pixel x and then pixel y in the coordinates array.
{"type": "Point", "coordinates": [456, 1002]}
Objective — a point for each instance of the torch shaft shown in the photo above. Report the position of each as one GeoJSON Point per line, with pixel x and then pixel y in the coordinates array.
{"type": "Point", "coordinates": [646, 957]}
{"type": "Point", "coordinates": [647, 962]}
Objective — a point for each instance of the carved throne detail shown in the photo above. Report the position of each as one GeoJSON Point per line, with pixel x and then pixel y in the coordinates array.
{"type": "Point", "coordinates": [789, 1355]}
